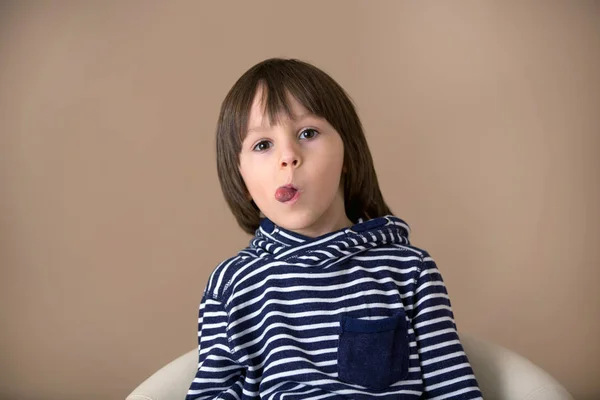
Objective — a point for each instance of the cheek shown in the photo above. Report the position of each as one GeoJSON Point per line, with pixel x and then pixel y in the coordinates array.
{"type": "Point", "coordinates": [246, 176]}
{"type": "Point", "coordinates": [335, 160]}
{"type": "Point", "coordinates": [253, 177]}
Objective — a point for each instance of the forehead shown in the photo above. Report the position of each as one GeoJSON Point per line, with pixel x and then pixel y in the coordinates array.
{"type": "Point", "coordinates": [261, 116]}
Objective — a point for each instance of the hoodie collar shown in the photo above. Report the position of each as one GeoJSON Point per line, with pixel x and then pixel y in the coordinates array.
{"type": "Point", "coordinates": [278, 243]}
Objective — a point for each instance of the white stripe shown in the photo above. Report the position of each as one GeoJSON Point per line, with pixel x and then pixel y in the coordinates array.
{"type": "Point", "coordinates": [314, 258]}
{"type": "Point", "coordinates": [387, 393]}
{"type": "Point", "coordinates": [221, 274]}
{"type": "Point", "coordinates": [214, 357]}
{"type": "Point", "coordinates": [292, 393]}
{"type": "Point", "coordinates": [221, 368]}
{"type": "Point", "coordinates": [432, 322]}
{"type": "Point", "coordinates": [429, 271]}
{"type": "Point", "coordinates": [429, 284]}
{"type": "Point", "coordinates": [445, 357]}
{"type": "Point", "coordinates": [214, 326]}
{"type": "Point", "coordinates": [432, 309]}
{"type": "Point", "coordinates": [429, 297]}
{"type": "Point", "coordinates": [263, 394]}
{"type": "Point", "coordinates": [215, 314]}
{"type": "Point", "coordinates": [213, 347]}
{"type": "Point", "coordinates": [244, 268]}
{"type": "Point", "coordinates": [213, 337]}
{"type": "Point", "coordinates": [294, 348]}
{"type": "Point", "coordinates": [250, 394]}
{"type": "Point", "coordinates": [456, 393]}
{"type": "Point", "coordinates": [309, 245]}
{"type": "Point", "coordinates": [438, 346]}
{"type": "Point", "coordinates": [327, 254]}
{"type": "Point", "coordinates": [449, 382]}
{"type": "Point", "coordinates": [233, 392]}
{"type": "Point", "coordinates": [283, 325]}
{"type": "Point", "coordinates": [333, 246]}
{"type": "Point", "coordinates": [433, 334]}
{"type": "Point", "coordinates": [407, 248]}
{"type": "Point", "coordinates": [286, 235]}
{"type": "Point", "coordinates": [387, 257]}
{"type": "Point", "coordinates": [321, 396]}
{"type": "Point", "coordinates": [294, 371]}
{"type": "Point", "coordinates": [446, 370]}
{"type": "Point", "coordinates": [277, 337]}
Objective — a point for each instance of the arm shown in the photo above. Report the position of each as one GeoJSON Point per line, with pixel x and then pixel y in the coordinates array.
{"type": "Point", "coordinates": [219, 375]}
{"type": "Point", "coordinates": [447, 373]}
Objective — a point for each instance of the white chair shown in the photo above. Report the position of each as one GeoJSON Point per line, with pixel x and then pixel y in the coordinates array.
{"type": "Point", "coordinates": [501, 373]}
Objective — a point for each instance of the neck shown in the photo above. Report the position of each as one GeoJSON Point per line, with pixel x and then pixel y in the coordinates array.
{"type": "Point", "coordinates": [321, 229]}
{"type": "Point", "coordinates": [328, 222]}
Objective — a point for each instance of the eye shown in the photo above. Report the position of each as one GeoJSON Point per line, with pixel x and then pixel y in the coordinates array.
{"type": "Point", "coordinates": [262, 145]}
{"type": "Point", "coordinates": [308, 134]}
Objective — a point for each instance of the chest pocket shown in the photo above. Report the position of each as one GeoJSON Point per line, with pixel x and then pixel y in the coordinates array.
{"type": "Point", "coordinates": [373, 353]}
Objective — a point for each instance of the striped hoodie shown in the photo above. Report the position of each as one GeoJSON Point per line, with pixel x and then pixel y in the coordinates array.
{"type": "Point", "coordinates": [357, 313]}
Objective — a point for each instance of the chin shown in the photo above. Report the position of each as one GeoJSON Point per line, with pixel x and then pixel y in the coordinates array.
{"type": "Point", "coordinates": [296, 221]}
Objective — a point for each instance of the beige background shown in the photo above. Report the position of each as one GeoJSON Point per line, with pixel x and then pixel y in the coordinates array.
{"type": "Point", "coordinates": [482, 118]}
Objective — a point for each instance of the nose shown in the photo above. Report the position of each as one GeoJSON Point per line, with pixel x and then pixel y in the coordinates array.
{"type": "Point", "coordinates": [293, 162]}
{"type": "Point", "coordinates": [290, 157]}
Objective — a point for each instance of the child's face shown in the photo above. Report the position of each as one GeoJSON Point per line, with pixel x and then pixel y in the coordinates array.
{"type": "Point", "coordinates": [304, 153]}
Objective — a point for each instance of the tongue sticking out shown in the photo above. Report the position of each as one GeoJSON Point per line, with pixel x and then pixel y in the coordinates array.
{"type": "Point", "coordinates": [284, 194]}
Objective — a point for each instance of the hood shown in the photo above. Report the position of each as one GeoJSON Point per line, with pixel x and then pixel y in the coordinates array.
{"type": "Point", "coordinates": [276, 243]}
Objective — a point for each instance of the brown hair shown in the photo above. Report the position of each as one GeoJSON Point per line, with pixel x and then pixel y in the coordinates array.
{"type": "Point", "coordinates": [323, 97]}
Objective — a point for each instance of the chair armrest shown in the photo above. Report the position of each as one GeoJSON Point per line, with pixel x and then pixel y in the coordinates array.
{"type": "Point", "coordinates": [503, 374]}
{"type": "Point", "coordinates": [171, 382]}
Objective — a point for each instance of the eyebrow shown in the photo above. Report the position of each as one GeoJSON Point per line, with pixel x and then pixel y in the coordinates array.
{"type": "Point", "coordinates": [294, 118]}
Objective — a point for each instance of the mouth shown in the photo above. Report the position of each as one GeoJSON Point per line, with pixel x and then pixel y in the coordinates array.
{"type": "Point", "coordinates": [287, 194]}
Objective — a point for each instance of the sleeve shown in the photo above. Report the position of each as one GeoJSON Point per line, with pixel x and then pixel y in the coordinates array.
{"type": "Point", "coordinates": [219, 375]}
{"type": "Point", "coordinates": [447, 373]}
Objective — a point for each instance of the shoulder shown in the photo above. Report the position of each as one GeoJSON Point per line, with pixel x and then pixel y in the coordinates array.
{"type": "Point", "coordinates": [418, 261]}
{"type": "Point", "coordinates": [224, 273]}
{"type": "Point", "coordinates": [406, 247]}
{"type": "Point", "coordinates": [221, 276]}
